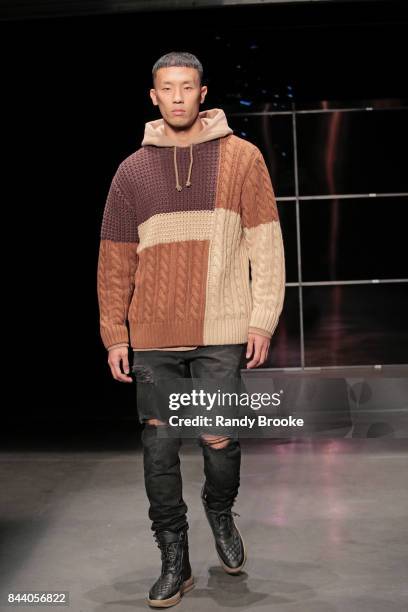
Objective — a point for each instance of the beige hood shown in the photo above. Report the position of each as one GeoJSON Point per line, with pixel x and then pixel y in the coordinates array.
{"type": "Point", "coordinates": [215, 125]}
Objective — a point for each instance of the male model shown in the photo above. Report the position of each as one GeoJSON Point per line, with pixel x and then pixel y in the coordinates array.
{"type": "Point", "coordinates": [185, 217]}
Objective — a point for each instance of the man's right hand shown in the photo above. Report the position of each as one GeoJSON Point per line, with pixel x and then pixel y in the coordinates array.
{"type": "Point", "coordinates": [118, 356]}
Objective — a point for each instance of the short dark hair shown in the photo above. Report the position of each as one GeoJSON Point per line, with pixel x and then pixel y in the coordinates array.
{"type": "Point", "coordinates": [178, 58]}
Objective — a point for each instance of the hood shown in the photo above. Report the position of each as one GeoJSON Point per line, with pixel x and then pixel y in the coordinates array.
{"type": "Point", "coordinates": [215, 125]}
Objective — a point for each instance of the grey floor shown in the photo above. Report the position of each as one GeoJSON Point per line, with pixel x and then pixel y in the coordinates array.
{"type": "Point", "coordinates": [325, 523]}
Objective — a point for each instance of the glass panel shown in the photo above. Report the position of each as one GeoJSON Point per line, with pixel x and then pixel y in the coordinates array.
{"type": "Point", "coordinates": [352, 152]}
{"type": "Point", "coordinates": [287, 217]}
{"type": "Point", "coordinates": [285, 343]}
{"type": "Point", "coordinates": [356, 324]}
{"type": "Point", "coordinates": [360, 238]}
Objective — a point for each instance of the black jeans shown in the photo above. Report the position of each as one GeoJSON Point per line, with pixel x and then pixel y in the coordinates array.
{"type": "Point", "coordinates": [161, 461]}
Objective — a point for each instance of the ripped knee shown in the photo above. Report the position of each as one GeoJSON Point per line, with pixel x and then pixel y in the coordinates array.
{"type": "Point", "coordinates": [143, 373]}
{"type": "Point", "coordinates": [214, 441]}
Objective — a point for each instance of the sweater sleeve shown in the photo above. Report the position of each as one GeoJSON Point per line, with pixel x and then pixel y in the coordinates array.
{"type": "Point", "coordinates": [117, 264]}
{"type": "Point", "coordinates": [263, 239]}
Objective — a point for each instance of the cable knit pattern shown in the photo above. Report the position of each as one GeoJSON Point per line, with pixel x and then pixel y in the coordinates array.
{"type": "Point", "coordinates": [262, 232]}
{"type": "Point", "coordinates": [174, 258]}
{"type": "Point", "coordinates": [117, 264]}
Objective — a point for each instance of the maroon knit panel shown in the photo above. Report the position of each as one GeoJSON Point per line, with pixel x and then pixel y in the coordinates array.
{"type": "Point", "coordinates": [119, 217]}
{"type": "Point", "coordinates": [150, 175]}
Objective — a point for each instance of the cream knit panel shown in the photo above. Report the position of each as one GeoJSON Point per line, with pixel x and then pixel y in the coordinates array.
{"type": "Point", "coordinates": [228, 295]}
{"type": "Point", "coordinates": [175, 227]}
{"type": "Point", "coordinates": [266, 253]}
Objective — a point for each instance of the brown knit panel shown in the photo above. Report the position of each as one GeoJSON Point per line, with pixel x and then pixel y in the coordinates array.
{"type": "Point", "coordinates": [235, 158]}
{"type": "Point", "coordinates": [119, 218]}
{"type": "Point", "coordinates": [117, 263]}
{"type": "Point", "coordinates": [258, 202]}
{"type": "Point", "coordinates": [171, 283]}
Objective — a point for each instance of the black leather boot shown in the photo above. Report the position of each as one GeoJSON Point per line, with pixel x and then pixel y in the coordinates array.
{"type": "Point", "coordinates": [229, 544]}
{"type": "Point", "coordinates": [175, 578]}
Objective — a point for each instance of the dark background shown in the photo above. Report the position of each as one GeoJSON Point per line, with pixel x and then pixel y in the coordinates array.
{"type": "Point", "coordinates": [75, 96]}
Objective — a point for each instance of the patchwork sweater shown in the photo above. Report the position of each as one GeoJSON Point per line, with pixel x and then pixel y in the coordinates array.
{"type": "Point", "coordinates": [191, 250]}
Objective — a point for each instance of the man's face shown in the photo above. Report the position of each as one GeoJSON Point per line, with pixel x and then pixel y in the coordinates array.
{"type": "Point", "coordinates": [177, 88]}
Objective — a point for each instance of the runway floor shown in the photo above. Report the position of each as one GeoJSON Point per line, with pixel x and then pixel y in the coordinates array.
{"type": "Point", "coordinates": [325, 523]}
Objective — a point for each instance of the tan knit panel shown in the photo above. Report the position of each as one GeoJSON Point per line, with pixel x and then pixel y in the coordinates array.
{"type": "Point", "coordinates": [245, 199]}
{"type": "Point", "coordinates": [117, 263]}
{"type": "Point", "coordinates": [175, 226]}
{"type": "Point", "coordinates": [228, 305]}
{"type": "Point", "coordinates": [229, 299]}
{"type": "Point", "coordinates": [170, 285]}
{"type": "Point", "coordinates": [265, 247]}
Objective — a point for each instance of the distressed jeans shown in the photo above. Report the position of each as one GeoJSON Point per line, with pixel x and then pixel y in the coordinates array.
{"type": "Point", "coordinates": [161, 461]}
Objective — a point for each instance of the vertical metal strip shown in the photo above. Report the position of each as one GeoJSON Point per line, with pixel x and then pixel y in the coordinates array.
{"type": "Point", "coordinates": [299, 255]}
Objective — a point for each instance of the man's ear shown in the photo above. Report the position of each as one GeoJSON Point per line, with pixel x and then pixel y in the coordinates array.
{"type": "Point", "coordinates": [153, 96]}
{"type": "Point", "coordinates": [203, 93]}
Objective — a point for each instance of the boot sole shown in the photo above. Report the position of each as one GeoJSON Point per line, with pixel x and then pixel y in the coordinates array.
{"type": "Point", "coordinates": [172, 601]}
{"type": "Point", "coordinates": [234, 570]}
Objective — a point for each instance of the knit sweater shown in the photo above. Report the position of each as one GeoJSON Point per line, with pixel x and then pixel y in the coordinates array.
{"type": "Point", "coordinates": [181, 228]}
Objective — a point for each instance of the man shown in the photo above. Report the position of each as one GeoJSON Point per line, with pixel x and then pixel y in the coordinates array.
{"type": "Point", "coordinates": [185, 217]}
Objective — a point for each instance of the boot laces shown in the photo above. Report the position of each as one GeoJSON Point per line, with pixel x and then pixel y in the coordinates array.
{"type": "Point", "coordinates": [168, 554]}
{"type": "Point", "coordinates": [225, 517]}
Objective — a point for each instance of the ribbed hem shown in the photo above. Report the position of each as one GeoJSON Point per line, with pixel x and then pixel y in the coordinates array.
{"type": "Point", "coordinates": [226, 331]}
{"type": "Point", "coordinates": [167, 333]}
{"type": "Point", "coordinates": [193, 333]}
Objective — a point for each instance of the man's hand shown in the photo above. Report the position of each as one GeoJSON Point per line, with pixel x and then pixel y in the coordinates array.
{"type": "Point", "coordinates": [259, 346]}
{"type": "Point", "coordinates": [116, 357]}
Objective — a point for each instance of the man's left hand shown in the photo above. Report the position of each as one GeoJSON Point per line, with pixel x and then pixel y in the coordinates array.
{"type": "Point", "coordinates": [258, 346]}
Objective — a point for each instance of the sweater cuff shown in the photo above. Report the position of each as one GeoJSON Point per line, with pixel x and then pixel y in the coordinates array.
{"type": "Point", "coordinates": [260, 331]}
{"type": "Point", "coordinates": [117, 345]}
{"type": "Point", "coordinates": [113, 333]}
